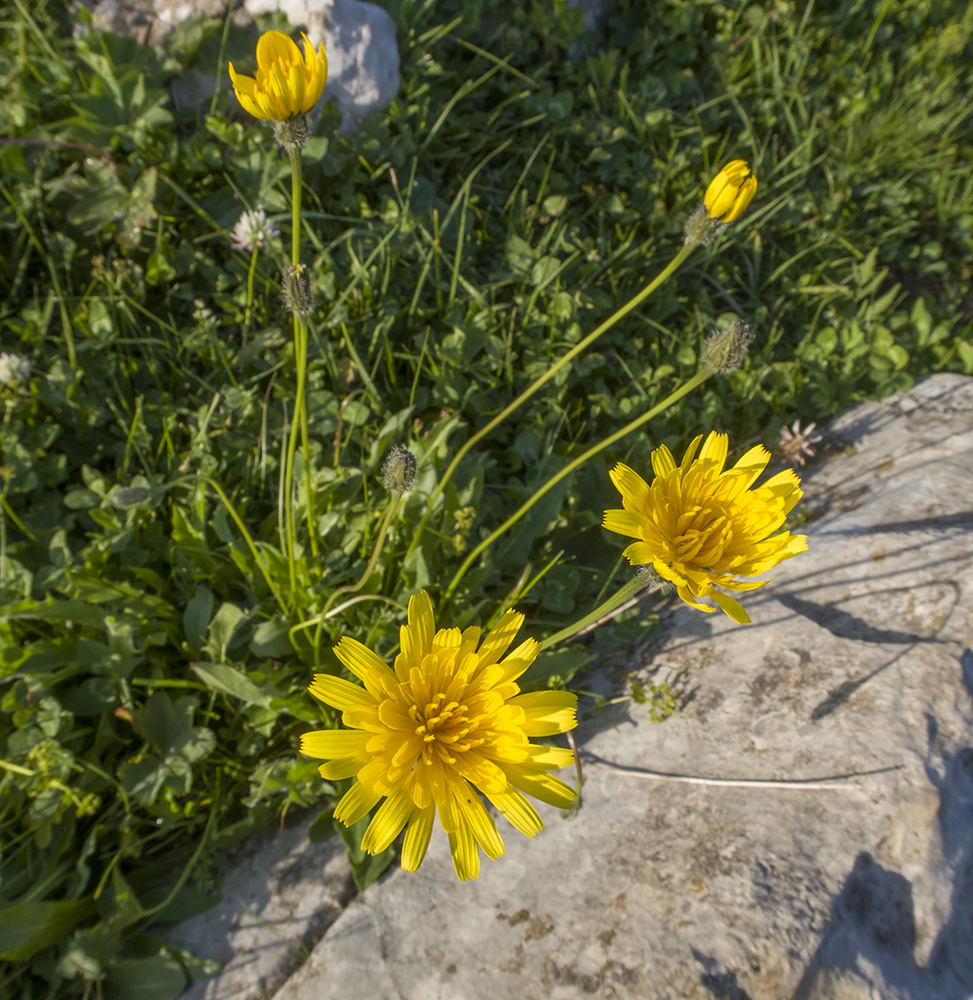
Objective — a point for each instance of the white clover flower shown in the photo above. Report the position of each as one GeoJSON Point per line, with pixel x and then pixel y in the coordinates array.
{"type": "Point", "coordinates": [253, 229]}
{"type": "Point", "coordinates": [14, 369]}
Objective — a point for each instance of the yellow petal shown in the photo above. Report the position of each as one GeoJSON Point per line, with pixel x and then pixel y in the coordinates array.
{"type": "Point", "coordinates": [518, 812]}
{"type": "Point", "coordinates": [690, 454]}
{"type": "Point", "coordinates": [499, 638]}
{"type": "Point", "coordinates": [662, 461]}
{"type": "Point", "coordinates": [342, 767]}
{"type": "Point", "coordinates": [714, 450]}
{"type": "Point", "coordinates": [417, 838]}
{"type": "Point", "coordinates": [387, 822]}
{"type": "Point", "coordinates": [274, 47]}
{"type": "Point", "coordinates": [517, 663]}
{"type": "Point", "coordinates": [544, 786]}
{"type": "Point", "coordinates": [547, 712]}
{"type": "Point", "coordinates": [364, 664]}
{"type": "Point", "coordinates": [481, 825]}
{"type": "Point", "coordinates": [326, 743]}
{"type": "Point", "coordinates": [633, 488]}
{"type": "Point", "coordinates": [731, 607]}
{"type": "Point", "coordinates": [625, 522]}
{"type": "Point", "coordinates": [358, 801]}
{"type": "Point", "coordinates": [340, 694]}
{"type": "Point", "coordinates": [416, 637]}
{"type": "Point", "coordinates": [466, 857]}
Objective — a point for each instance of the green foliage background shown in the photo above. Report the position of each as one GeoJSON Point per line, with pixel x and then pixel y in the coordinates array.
{"type": "Point", "coordinates": [528, 180]}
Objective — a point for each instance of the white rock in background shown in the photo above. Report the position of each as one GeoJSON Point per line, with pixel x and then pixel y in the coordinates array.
{"type": "Point", "coordinates": [859, 659]}
{"type": "Point", "coordinates": [152, 21]}
{"type": "Point", "coordinates": [596, 12]}
{"type": "Point", "coordinates": [363, 55]}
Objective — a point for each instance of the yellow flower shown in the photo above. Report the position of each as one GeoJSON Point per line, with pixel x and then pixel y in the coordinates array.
{"type": "Point", "coordinates": [286, 84]}
{"type": "Point", "coordinates": [730, 191]}
{"type": "Point", "coordinates": [445, 723]}
{"type": "Point", "coordinates": [700, 527]}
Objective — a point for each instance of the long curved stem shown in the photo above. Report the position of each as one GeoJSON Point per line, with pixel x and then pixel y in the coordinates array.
{"type": "Point", "coordinates": [636, 584]}
{"type": "Point", "coordinates": [632, 425]}
{"type": "Point", "coordinates": [351, 588]}
{"type": "Point", "coordinates": [582, 345]}
{"type": "Point", "coordinates": [251, 545]}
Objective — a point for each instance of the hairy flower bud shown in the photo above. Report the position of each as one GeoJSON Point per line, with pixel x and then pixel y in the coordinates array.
{"type": "Point", "coordinates": [724, 350]}
{"type": "Point", "coordinates": [399, 471]}
{"type": "Point", "coordinates": [297, 291]}
{"type": "Point", "coordinates": [291, 133]}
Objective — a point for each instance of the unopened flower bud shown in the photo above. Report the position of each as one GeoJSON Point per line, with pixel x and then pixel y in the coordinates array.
{"type": "Point", "coordinates": [399, 471]}
{"type": "Point", "coordinates": [730, 191]}
{"type": "Point", "coordinates": [297, 291]}
{"type": "Point", "coordinates": [724, 350]}
{"type": "Point", "coordinates": [727, 196]}
{"type": "Point", "coordinates": [287, 84]}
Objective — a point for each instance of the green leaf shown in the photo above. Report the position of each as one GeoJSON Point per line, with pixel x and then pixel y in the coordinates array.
{"type": "Point", "coordinates": [365, 868]}
{"type": "Point", "coordinates": [223, 627]}
{"type": "Point", "coordinates": [555, 668]}
{"type": "Point", "coordinates": [49, 716]}
{"type": "Point", "coordinates": [143, 779]}
{"type": "Point", "coordinates": [27, 928]}
{"type": "Point", "coordinates": [57, 611]}
{"type": "Point", "coordinates": [271, 638]}
{"type": "Point", "coordinates": [196, 618]}
{"type": "Point", "coordinates": [81, 500]}
{"type": "Point", "coordinates": [131, 496]}
{"type": "Point", "coordinates": [228, 680]}
{"type": "Point", "coordinates": [322, 827]}
{"type": "Point", "coordinates": [156, 978]}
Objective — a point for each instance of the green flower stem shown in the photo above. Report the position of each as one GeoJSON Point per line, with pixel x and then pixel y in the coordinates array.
{"type": "Point", "coordinates": [250, 275]}
{"type": "Point", "coordinates": [311, 622]}
{"type": "Point", "coordinates": [290, 533]}
{"type": "Point", "coordinates": [661, 277]}
{"type": "Point", "coordinates": [300, 420]}
{"type": "Point", "coordinates": [632, 425]}
{"type": "Point", "coordinates": [351, 588]}
{"type": "Point", "coordinates": [299, 426]}
{"type": "Point", "coordinates": [636, 584]}
{"type": "Point", "coordinates": [295, 157]}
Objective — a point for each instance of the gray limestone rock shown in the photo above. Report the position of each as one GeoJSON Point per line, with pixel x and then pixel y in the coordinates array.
{"type": "Point", "coordinates": [359, 38]}
{"type": "Point", "coordinates": [858, 663]}
{"type": "Point", "coordinates": [596, 12]}
{"type": "Point", "coordinates": [152, 21]}
{"type": "Point", "coordinates": [280, 894]}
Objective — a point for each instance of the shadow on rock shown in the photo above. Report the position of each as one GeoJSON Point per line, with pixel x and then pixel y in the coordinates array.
{"type": "Point", "coordinates": [868, 947]}
{"type": "Point", "coordinates": [722, 985]}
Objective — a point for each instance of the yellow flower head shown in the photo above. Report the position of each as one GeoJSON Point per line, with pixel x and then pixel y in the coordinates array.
{"type": "Point", "coordinates": [730, 191]}
{"type": "Point", "coordinates": [286, 84]}
{"type": "Point", "coordinates": [700, 527]}
{"type": "Point", "coordinates": [445, 723]}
